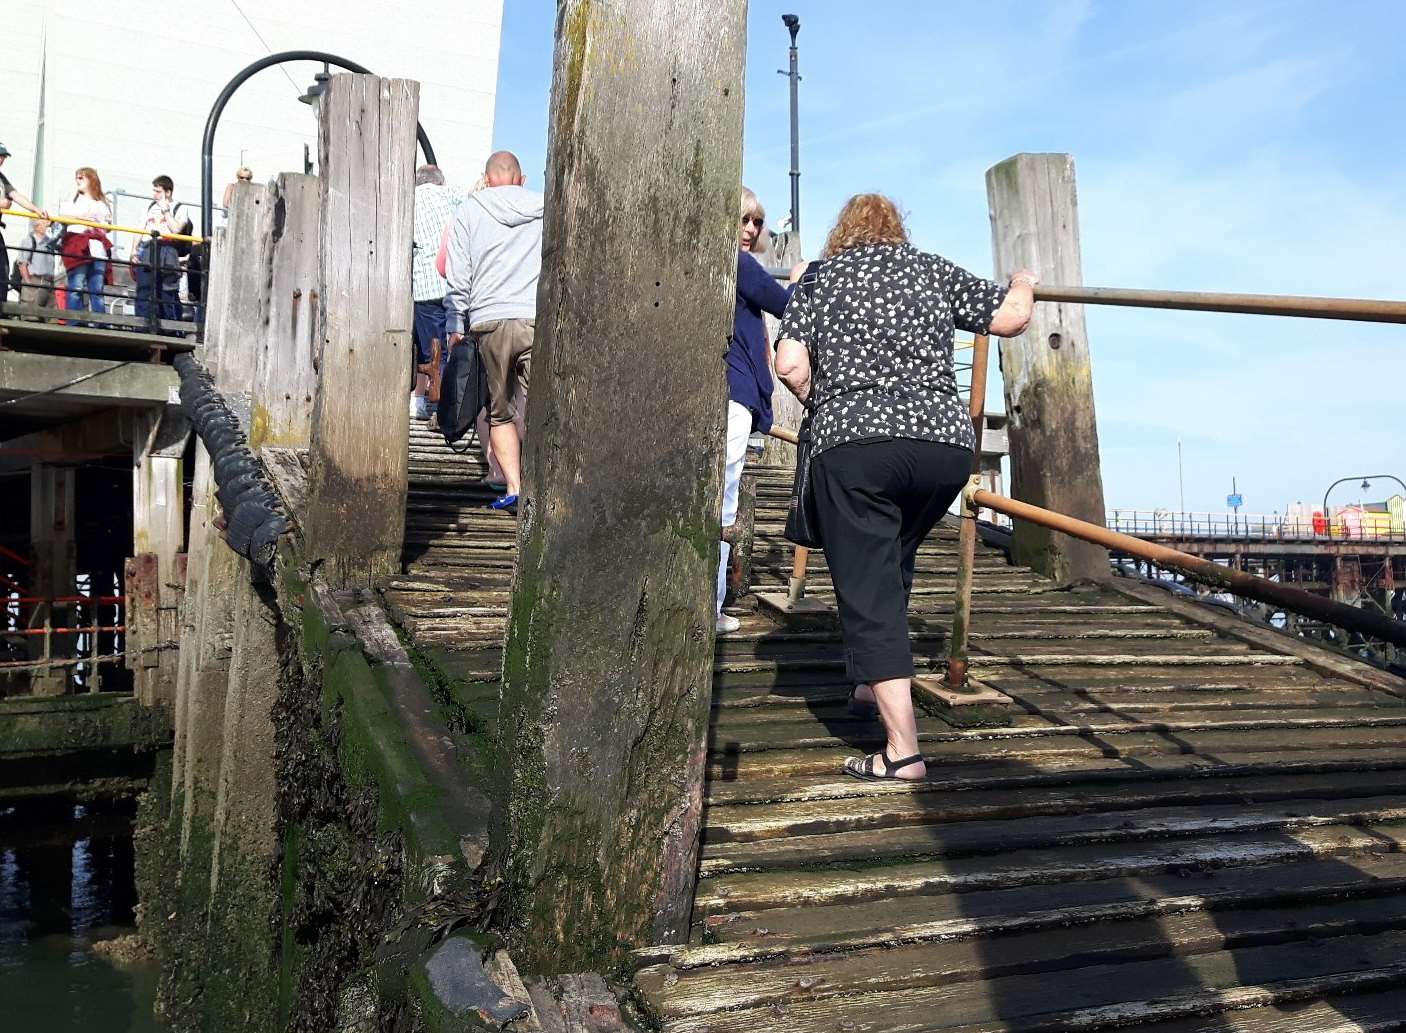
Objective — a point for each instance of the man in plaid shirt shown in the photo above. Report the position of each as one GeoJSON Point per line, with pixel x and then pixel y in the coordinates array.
{"type": "Point", "coordinates": [434, 207]}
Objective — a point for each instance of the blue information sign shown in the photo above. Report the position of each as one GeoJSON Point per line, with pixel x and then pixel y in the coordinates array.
{"type": "Point", "coordinates": [1235, 501]}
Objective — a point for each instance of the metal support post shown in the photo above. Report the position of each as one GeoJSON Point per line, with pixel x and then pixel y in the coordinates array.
{"type": "Point", "coordinates": [153, 256]}
{"type": "Point", "coordinates": [94, 675]}
{"type": "Point", "coordinates": [957, 662]}
{"type": "Point", "coordinates": [793, 26]}
{"type": "Point", "coordinates": [794, 601]}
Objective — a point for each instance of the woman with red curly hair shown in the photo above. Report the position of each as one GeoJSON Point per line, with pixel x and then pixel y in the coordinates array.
{"type": "Point", "coordinates": [866, 344]}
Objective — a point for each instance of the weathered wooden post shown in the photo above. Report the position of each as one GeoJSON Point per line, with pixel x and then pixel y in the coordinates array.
{"type": "Point", "coordinates": [53, 574]}
{"type": "Point", "coordinates": [158, 537]}
{"type": "Point", "coordinates": [284, 385]}
{"type": "Point", "coordinates": [215, 573]}
{"type": "Point", "coordinates": [1047, 373]}
{"type": "Point", "coordinates": [359, 473]}
{"type": "Point", "coordinates": [608, 663]}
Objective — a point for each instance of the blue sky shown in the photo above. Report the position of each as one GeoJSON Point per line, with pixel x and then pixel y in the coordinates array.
{"type": "Point", "coordinates": [1254, 146]}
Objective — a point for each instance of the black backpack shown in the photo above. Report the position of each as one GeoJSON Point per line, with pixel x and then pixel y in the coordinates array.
{"type": "Point", "coordinates": [463, 391]}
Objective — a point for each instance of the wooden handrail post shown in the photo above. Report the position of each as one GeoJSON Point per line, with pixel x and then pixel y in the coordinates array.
{"type": "Point", "coordinates": [1047, 370]}
{"type": "Point", "coordinates": [800, 559]}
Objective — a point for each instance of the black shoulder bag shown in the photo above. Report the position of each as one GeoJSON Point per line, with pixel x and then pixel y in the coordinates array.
{"type": "Point", "coordinates": [463, 392]}
{"type": "Point", "coordinates": [800, 514]}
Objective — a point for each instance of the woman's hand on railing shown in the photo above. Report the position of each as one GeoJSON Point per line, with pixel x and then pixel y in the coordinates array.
{"type": "Point", "coordinates": [1014, 314]}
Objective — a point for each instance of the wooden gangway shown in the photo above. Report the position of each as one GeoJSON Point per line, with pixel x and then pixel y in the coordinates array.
{"type": "Point", "coordinates": [1185, 822]}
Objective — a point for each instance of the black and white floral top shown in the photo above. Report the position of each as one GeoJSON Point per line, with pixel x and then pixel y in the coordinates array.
{"type": "Point", "coordinates": [878, 323]}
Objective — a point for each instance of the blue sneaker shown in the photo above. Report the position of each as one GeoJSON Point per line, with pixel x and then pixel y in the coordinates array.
{"type": "Point", "coordinates": [508, 502]}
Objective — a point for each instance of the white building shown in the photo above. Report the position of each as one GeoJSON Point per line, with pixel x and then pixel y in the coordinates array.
{"type": "Point", "coordinates": [126, 87]}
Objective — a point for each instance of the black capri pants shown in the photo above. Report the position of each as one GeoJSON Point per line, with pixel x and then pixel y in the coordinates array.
{"type": "Point", "coordinates": [875, 502]}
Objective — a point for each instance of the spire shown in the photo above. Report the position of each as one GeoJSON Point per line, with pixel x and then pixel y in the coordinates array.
{"type": "Point", "coordinates": [37, 180]}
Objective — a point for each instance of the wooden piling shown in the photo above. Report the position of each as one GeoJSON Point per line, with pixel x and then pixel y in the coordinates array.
{"type": "Point", "coordinates": [54, 571]}
{"type": "Point", "coordinates": [281, 398]}
{"type": "Point", "coordinates": [215, 573]}
{"type": "Point", "coordinates": [608, 661]}
{"type": "Point", "coordinates": [159, 439]}
{"type": "Point", "coordinates": [358, 479]}
{"type": "Point", "coordinates": [1047, 371]}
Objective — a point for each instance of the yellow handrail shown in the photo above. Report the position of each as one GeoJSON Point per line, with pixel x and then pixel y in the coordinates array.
{"type": "Point", "coordinates": [68, 220]}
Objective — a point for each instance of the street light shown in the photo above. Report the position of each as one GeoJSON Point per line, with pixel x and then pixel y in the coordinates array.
{"type": "Point", "coordinates": [318, 87]}
{"type": "Point", "coordinates": [207, 141]}
{"type": "Point", "coordinates": [1366, 483]}
{"type": "Point", "coordinates": [793, 26]}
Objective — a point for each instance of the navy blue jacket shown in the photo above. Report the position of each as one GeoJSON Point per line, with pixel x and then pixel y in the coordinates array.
{"type": "Point", "coordinates": [749, 382]}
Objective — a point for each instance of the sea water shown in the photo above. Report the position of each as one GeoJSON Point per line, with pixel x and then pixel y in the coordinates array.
{"type": "Point", "coordinates": [66, 883]}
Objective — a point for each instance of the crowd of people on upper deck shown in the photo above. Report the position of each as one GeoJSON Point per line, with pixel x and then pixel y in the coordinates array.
{"type": "Point", "coordinates": [70, 258]}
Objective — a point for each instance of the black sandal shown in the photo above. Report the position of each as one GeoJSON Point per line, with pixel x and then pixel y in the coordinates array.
{"type": "Point", "coordinates": [862, 709]}
{"type": "Point", "coordinates": [863, 767]}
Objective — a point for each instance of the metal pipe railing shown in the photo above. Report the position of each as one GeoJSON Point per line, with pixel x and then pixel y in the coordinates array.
{"type": "Point", "coordinates": [1227, 579]}
{"type": "Point", "coordinates": [158, 307]}
{"type": "Point", "coordinates": [69, 220]}
{"type": "Point", "coordinates": [1257, 527]}
{"type": "Point", "coordinates": [1365, 310]}
{"type": "Point", "coordinates": [40, 623]}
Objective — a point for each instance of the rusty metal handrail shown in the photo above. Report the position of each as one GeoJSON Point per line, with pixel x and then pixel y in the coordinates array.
{"type": "Point", "coordinates": [1228, 579]}
{"type": "Point", "coordinates": [43, 609]}
{"type": "Point", "coordinates": [1367, 310]}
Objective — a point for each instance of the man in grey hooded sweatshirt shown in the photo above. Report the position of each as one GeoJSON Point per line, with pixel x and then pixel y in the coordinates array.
{"type": "Point", "coordinates": [492, 263]}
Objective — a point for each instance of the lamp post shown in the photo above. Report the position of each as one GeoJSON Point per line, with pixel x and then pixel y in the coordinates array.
{"type": "Point", "coordinates": [319, 86]}
{"type": "Point", "coordinates": [207, 142]}
{"type": "Point", "coordinates": [1366, 483]}
{"type": "Point", "coordinates": [793, 26]}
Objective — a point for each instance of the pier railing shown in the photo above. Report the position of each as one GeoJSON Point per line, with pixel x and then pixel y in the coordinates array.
{"type": "Point", "coordinates": [155, 312]}
{"type": "Point", "coordinates": [63, 634]}
{"type": "Point", "coordinates": [1369, 527]}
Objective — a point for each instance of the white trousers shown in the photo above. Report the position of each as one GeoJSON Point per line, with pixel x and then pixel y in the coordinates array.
{"type": "Point", "coordinates": [739, 429]}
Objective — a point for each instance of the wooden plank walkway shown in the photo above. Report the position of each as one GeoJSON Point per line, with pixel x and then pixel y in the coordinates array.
{"type": "Point", "coordinates": [1177, 829]}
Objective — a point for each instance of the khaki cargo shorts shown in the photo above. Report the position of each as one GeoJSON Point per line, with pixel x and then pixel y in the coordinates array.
{"type": "Point", "coordinates": [505, 349]}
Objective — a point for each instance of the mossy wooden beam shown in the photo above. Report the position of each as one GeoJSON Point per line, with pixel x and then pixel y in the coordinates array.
{"type": "Point", "coordinates": [607, 668]}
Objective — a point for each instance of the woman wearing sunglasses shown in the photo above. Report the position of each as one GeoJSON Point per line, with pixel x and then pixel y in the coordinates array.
{"type": "Point", "coordinates": [749, 382]}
